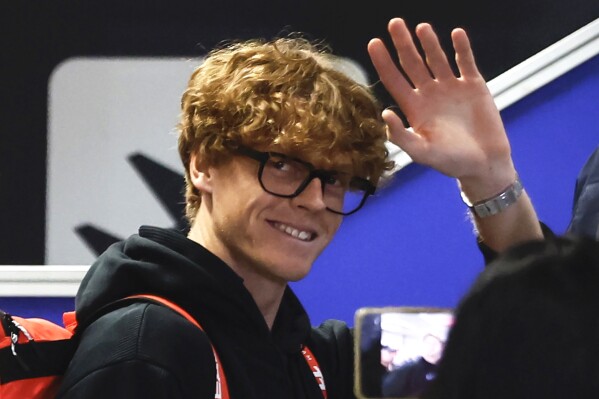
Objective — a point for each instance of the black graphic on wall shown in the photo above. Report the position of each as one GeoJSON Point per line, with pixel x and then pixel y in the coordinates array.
{"type": "Point", "coordinates": [166, 185]}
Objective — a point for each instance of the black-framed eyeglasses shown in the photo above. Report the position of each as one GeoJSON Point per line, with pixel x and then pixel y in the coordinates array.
{"type": "Point", "coordinates": [285, 176]}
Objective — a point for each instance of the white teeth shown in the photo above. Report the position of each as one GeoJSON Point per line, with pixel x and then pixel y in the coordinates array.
{"type": "Point", "coordinates": [302, 235]}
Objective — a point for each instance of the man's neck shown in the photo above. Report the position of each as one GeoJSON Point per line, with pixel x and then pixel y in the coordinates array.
{"type": "Point", "coordinates": [266, 292]}
{"type": "Point", "coordinates": [268, 299]}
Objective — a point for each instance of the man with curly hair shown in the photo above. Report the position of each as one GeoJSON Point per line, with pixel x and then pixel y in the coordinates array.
{"type": "Point", "coordinates": [278, 146]}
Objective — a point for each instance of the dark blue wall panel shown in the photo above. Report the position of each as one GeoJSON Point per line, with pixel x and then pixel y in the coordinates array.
{"type": "Point", "coordinates": [42, 307]}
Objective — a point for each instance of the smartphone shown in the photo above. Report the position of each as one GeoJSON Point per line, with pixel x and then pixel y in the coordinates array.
{"type": "Point", "coordinates": [398, 349]}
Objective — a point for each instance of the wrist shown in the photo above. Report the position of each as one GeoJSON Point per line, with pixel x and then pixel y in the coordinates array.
{"type": "Point", "coordinates": [488, 182]}
{"type": "Point", "coordinates": [496, 203]}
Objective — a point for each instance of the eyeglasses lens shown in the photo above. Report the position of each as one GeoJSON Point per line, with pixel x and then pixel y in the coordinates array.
{"type": "Point", "coordinates": [284, 176]}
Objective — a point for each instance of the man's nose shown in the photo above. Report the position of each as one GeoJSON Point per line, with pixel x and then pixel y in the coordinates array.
{"type": "Point", "coordinates": [311, 197]}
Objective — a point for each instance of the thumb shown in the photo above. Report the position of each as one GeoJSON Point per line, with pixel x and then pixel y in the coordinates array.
{"type": "Point", "coordinates": [405, 138]}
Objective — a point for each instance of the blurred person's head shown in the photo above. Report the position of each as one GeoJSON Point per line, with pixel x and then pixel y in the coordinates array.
{"type": "Point", "coordinates": [528, 327]}
{"type": "Point", "coordinates": [388, 356]}
{"type": "Point", "coordinates": [432, 348]}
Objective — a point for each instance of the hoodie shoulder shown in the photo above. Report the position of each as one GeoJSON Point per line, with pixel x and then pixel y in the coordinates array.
{"type": "Point", "coordinates": [161, 353]}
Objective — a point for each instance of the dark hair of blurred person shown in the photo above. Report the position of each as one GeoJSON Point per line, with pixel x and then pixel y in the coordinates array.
{"type": "Point", "coordinates": [528, 327]}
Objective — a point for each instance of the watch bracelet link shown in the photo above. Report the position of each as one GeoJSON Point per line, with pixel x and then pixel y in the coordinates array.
{"type": "Point", "coordinates": [498, 203]}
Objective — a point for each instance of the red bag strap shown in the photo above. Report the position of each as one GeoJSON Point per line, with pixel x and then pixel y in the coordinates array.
{"type": "Point", "coordinates": [222, 390]}
{"type": "Point", "coordinates": [313, 363]}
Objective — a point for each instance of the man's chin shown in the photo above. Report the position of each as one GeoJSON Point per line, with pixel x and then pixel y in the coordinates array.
{"type": "Point", "coordinates": [295, 279]}
{"type": "Point", "coordinates": [290, 273]}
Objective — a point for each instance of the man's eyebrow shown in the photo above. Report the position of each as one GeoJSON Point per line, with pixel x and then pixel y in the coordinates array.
{"type": "Point", "coordinates": [345, 168]}
{"type": "Point", "coordinates": [337, 169]}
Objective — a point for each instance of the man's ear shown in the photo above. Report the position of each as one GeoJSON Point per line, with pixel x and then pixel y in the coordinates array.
{"type": "Point", "coordinates": [200, 175]}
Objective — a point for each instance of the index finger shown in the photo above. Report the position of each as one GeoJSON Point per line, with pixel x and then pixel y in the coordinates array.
{"type": "Point", "coordinates": [392, 78]}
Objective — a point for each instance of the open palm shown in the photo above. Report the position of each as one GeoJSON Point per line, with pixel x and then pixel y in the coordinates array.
{"type": "Point", "coordinates": [455, 125]}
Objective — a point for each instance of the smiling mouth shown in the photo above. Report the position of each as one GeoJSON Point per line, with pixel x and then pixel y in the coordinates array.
{"type": "Point", "coordinates": [293, 232]}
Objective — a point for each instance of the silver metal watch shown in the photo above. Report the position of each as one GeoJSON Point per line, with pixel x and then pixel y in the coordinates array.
{"type": "Point", "coordinates": [495, 205]}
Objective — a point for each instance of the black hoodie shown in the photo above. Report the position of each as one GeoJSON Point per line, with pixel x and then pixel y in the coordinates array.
{"type": "Point", "coordinates": [146, 350]}
{"type": "Point", "coordinates": [585, 209]}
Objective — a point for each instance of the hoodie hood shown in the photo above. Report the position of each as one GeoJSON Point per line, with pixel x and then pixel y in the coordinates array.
{"type": "Point", "coordinates": [166, 263]}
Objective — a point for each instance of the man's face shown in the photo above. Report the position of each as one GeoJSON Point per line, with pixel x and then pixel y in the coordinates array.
{"type": "Point", "coordinates": [387, 356]}
{"type": "Point", "coordinates": [256, 232]}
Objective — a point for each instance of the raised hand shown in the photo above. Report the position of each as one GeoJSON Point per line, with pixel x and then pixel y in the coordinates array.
{"type": "Point", "coordinates": [455, 126]}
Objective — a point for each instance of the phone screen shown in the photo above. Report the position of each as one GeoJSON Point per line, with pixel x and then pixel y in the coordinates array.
{"type": "Point", "coordinates": [398, 349]}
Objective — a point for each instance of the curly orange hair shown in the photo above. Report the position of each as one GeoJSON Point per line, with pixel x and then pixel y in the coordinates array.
{"type": "Point", "coordinates": [285, 93]}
